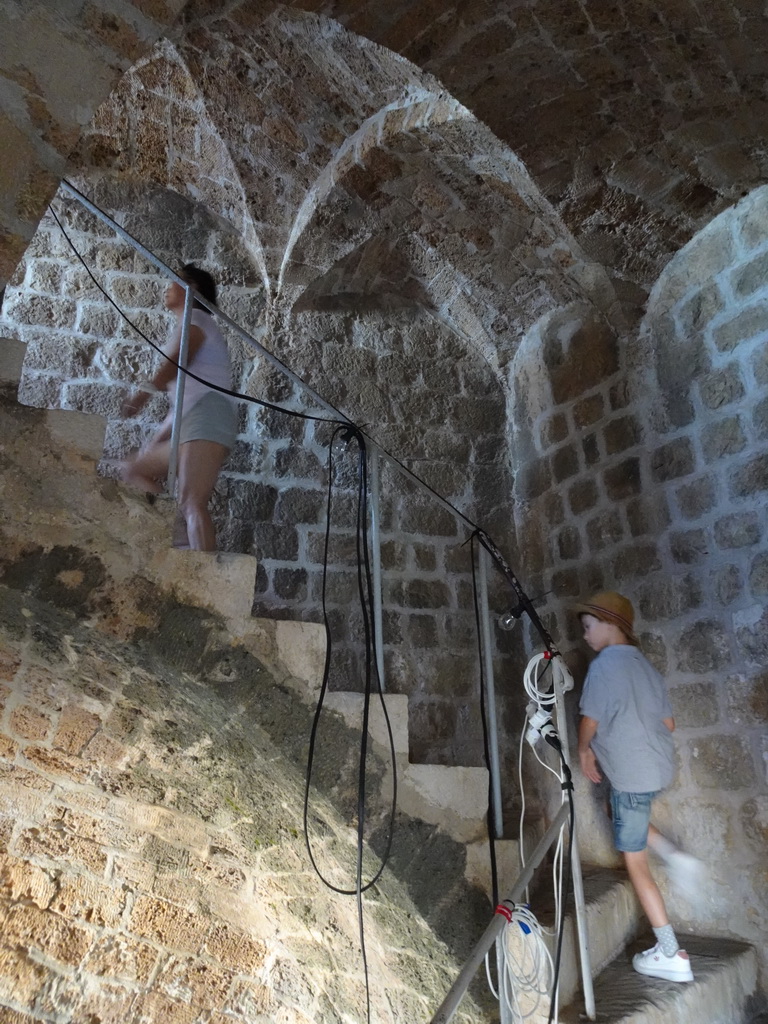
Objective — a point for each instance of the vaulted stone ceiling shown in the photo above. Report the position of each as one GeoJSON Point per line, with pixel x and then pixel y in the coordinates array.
{"type": "Point", "coordinates": [639, 121]}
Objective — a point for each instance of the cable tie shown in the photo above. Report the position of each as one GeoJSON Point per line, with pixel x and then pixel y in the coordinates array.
{"type": "Point", "coordinates": [504, 912]}
{"type": "Point", "coordinates": [547, 655]}
{"type": "Point", "coordinates": [566, 785]}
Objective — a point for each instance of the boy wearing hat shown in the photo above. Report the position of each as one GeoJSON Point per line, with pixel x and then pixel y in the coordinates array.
{"type": "Point", "coordinates": [626, 733]}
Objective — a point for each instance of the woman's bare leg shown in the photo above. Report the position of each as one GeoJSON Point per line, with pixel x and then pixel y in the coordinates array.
{"type": "Point", "coordinates": [199, 465]}
{"type": "Point", "coordinates": [148, 468]}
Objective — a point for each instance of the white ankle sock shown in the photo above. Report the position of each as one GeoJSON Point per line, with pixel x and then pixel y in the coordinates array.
{"type": "Point", "coordinates": [667, 939]}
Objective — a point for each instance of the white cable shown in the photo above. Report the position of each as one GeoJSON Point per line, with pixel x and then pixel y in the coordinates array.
{"type": "Point", "coordinates": [531, 676]}
{"type": "Point", "coordinates": [526, 965]}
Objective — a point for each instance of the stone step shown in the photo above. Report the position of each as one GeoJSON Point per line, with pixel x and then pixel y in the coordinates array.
{"type": "Point", "coordinates": [11, 360]}
{"type": "Point", "coordinates": [220, 581]}
{"type": "Point", "coordinates": [452, 797]}
{"type": "Point", "coordinates": [725, 979]}
{"type": "Point", "coordinates": [613, 917]}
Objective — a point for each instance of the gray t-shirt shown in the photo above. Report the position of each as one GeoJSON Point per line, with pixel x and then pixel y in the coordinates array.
{"type": "Point", "coordinates": [625, 694]}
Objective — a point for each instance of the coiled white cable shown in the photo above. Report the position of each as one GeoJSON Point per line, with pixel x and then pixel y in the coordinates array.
{"type": "Point", "coordinates": [527, 969]}
{"type": "Point", "coordinates": [534, 670]}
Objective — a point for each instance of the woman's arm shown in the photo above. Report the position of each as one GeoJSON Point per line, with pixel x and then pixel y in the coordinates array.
{"type": "Point", "coordinates": [166, 372]}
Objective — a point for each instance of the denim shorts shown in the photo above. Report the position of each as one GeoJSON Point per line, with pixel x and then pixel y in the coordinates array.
{"type": "Point", "coordinates": [631, 814]}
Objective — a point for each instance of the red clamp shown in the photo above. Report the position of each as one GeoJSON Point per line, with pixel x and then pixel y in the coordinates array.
{"type": "Point", "coordinates": [547, 655]}
{"type": "Point", "coordinates": [504, 911]}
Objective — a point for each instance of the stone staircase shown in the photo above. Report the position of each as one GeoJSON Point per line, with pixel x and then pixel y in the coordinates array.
{"type": "Point", "coordinates": [452, 798]}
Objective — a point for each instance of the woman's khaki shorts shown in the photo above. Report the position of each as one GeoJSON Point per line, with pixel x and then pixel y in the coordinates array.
{"type": "Point", "coordinates": [212, 418]}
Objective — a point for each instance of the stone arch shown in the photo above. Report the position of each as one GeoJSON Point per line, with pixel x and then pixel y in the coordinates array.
{"type": "Point", "coordinates": [155, 128]}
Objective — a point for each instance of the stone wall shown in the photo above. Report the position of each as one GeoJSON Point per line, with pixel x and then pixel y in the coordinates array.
{"type": "Point", "coordinates": [646, 473]}
{"type": "Point", "coordinates": [151, 851]}
{"type": "Point", "coordinates": [46, 103]}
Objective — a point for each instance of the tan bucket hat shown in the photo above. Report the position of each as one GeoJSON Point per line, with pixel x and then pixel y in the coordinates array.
{"type": "Point", "coordinates": [608, 606]}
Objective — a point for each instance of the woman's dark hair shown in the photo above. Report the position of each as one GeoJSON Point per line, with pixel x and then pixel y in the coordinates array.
{"type": "Point", "coordinates": [201, 281]}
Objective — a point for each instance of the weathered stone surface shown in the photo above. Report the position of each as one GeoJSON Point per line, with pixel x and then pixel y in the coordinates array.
{"type": "Point", "coordinates": [697, 498]}
{"type": "Point", "coordinates": [751, 479]}
{"type": "Point", "coordinates": [690, 546]}
{"type": "Point", "coordinates": [622, 434]}
{"type": "Point", "coordinates": [647, 515]}
{"type": "Point", "coordinates": [727, 583]}
{"type": "Point", "coordinates": [751, 628]}
{"type": "Point", "coordinates": [668, 597]}
{"type": "Point", "coordinates": [721, 387]}
{"type": "Point", "coordinates": [623, 481]}
{"type": "Point", "coordinates": [742, 327]}
{"type": "Point", "coordinates": [725, 437]}
{"type": "Point", "coordinates": [583, 495]}
{"type": "Point", "coordinates": [703, 647]}
{"type": "Point", "coordinates": [758, 575]}
{"type": "Point", "coordinates": [604, 530]}
{"type": "Point", "coordinates": [569, 543]}
{"type": "Point", "coordinates": [694, 705]}
{"type": "Point", "coordinates": [747, 699]}
{"type": "Point", "coordinates": [721, 762]}
{"type": "Point", "coordinates": [738, 530]}
{"type": "Point", "coordinates": [673, 460]}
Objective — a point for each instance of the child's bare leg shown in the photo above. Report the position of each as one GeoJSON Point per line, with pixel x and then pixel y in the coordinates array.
{"type": "Point", "coordinates": [199, 465]}
{"type": "Point", "coordinates": [647, 891]}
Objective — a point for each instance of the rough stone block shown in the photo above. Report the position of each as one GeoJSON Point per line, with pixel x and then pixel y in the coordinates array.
{"type": "Point", "coordinates": [672, 460]}
{"type": "Point", "coordinates": [583, 495]}
{"type": "Point", "coordinates": [747, 699]}
{"type": "Point", "coordinates": [553, 430]}
{"type": "Point", "coordinates": [533, 479]}
{"type": "Point", "coordinates": [604, 530]}
{"type": "Point", "coordinates": [758, 575]}
{"type": "Point", "coordinates": [760, 420]}
{"type": "Point", "coordinates": [751, 627]}
{"type": "Point", "coordinates": [745, 325]}
{"type": "Point", "coordinates": [422, 631]}
{"type": "Point", "coordinates": [21, 978]}
{"type": "Point", "coordinates": [726, 583]}
{"type": "Point", "coordinates": [10, 660]}
{"type": "Point", "coordinates": [122, 957]}
{"type": "Point", "coordinates": [700, 309]}
{"type": "Point", "coordinates": [689, 546]}
{"type": "Point", "coordinates": [569, 543]}
{"type": "Point", "coordinates": [622, 434]}
{"type": "Point", "coordinates": [751, 277]}
{"type": "Point", "coordinates": [738, 530]}
{"type": "Point", "coordinates": [725, 437]}
{"type": "Point", "coordinates": [721, 762]}
{"type": "Point", "coordinates": [290, 584]}
{"type": "Point", "coordinates": [623, 481]}
{"type": "Point", "coordinates": [281, 542]}
{"type": "Point", "coordinates": [591, 449]}
{"type": "Point", "coordinates": [694, 705]}
{"type": "Point", "coordinates": [76, 727]}
{"type": "Point", "coordinates": [28, 723]}
{"type": "Point", "coordinates": [29, 926]}
{"type": "Point", "coordinates": [697, 498]}
{"type": "Point", "coordinates": [588, 410]}
{"type": "Point", "coordinates": [721, 387]}
{"type": "Point", "coordinates": [565, 463]}
{"type": "Point", "coordinates": [668, 597]}
{"type": "Point", "coordinates": [759, 363]}
{"type": "Point", "coordinates": [566, 583]}
{"type": "Point", "coordinates": [750, 479]}
{"type": "Point", "coordinates": [636, 561]}
{"type": "Point", "coordinates": [703, 647]}
{"type": "Point", "coordinates": [22, 881]}
{"type": "Point", "coordinates": [427, 594]}
{"type": "Point", "coordinates": [168, 925]}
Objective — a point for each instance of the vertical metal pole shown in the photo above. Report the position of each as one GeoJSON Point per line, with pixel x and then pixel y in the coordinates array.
{"type": "Point", "coordinates": [374, 474]}
{"type": "Point", "coordinates": [578, 882]}
{"type": "Point", "coordinates": [490, 691]}
{"type": "Point", "coordinates": [505, 1010]}
{"type": "Point", "coordinates": [173, 458]}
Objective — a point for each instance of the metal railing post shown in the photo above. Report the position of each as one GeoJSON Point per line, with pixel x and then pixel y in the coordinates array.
{"type": "Point", "coordinates": [450, 1004]}
{"type": "Point", "coordinates": [173, 458]}
{"type": "Point", "coordinates": [490, 691]}
{"type": "Point", "coordinates": [559, 676]}
{"type": "Point", "coordinates": [374, 475]}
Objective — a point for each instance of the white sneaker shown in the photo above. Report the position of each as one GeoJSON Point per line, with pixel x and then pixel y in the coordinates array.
{"type": "Point", "coordinates": [687, 874]}
{"type": "Point", "coordinates": [672, 968]}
